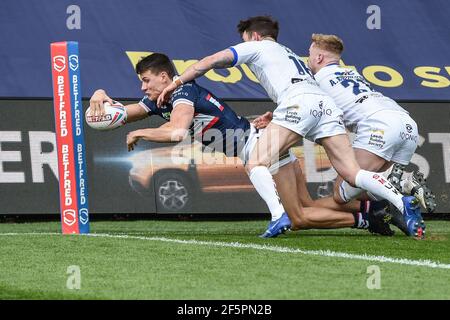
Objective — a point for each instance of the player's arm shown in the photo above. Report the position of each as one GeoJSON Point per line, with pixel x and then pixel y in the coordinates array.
{"type": "Point", "coordinates": [173, 131]}
{"type": "Point", "coordinates": [134, 111]}
{"type": "Point", "coordinates": [219, 60]}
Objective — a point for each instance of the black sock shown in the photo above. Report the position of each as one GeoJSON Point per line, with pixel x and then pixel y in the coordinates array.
{"type": "Point", "coordinates": [361, 220]}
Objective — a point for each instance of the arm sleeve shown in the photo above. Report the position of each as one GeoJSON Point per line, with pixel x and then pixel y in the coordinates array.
{"type": "Point", "coordinates": [245, 52]}
{"type": "Point", "coordinates": [147, 104]}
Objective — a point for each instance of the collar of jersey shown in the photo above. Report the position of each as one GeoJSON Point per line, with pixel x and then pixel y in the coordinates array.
{"type": "Point", "coordinates": [332, 64]}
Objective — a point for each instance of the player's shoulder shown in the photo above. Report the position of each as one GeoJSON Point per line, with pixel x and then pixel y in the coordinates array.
{"type": "Point", "coordinates": [250, 46]}
{"type": "Point", "coordinates": [188, 91]}
{"type": "Point", "coordinates": [345, 70]}
{"type": "Point", "coordinates": [191, 85]}
{"type": "Point", "coordinates": [184, 89]}
{"type": "Point", "coordinates": [332, 68]}
{"type": "Point", "coordinates": [149, 103]}
{"type": "Point", "coordinates": [335, 70]}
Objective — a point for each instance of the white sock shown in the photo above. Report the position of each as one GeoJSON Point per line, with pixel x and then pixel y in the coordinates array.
{"type": "Point", "coordinates": [376, 184]}
{"type": "Point", "coordinates": [347, 192]}
{"type": "Point", "coordinates": [263, 182]}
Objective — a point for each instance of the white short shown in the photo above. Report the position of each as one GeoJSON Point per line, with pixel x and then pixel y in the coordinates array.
{"type": "Point", "coordinates": [390, 134]}
{"type": "Point", "coordinates": [244, 155]}
{"type": "Point", "coordinates": [313, 116]}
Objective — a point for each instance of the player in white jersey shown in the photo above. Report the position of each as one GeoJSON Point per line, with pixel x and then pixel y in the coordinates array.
{"type": "Point", "coordinates": [303, 110]}
{"type": "Point", "coordinates": [384, 131]}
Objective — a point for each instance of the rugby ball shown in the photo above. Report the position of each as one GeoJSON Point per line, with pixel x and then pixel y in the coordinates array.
{"type": "Point", "coordinates": [115, 116]}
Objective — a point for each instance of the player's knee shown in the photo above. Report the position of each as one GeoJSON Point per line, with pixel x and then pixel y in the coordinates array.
{"type": "Point", "coordinates": [299, 221]}
{"type": "Point", "coordinates": [349, 176]}
{"type": "Point", "coordinates": [249, 168]}
{"type": "Point", "coordinates": [349, 173]}
{"type": "Point", "coordinates": [251, 165]}
{"type": "Point", "coordinates": [308, 202]}
{"type": "Point", "coordinates": [337, 197]}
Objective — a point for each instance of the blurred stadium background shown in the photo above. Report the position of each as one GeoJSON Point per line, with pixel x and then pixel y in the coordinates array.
{"type": "Point", "coordinates": [401, 47]}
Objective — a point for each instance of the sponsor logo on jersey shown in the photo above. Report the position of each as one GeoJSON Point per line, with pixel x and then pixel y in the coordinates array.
{"type": "Point", "coordinates": [292, 114]}
{"type": "Point", "coordinates": [377, 138]}
{"type": "Point", "coordinates": [409, 128]}
{"type": "Point", "coordinates": [166, 115]}
{"type": "Point", "coordinates": [321, 112]}
{"type": "Point", "coordinates": [408, 136]}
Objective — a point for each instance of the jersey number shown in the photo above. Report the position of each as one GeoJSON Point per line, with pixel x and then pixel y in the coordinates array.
{"type": "Point", "coordinates": [301, 67]}
{"type": "Point", "coordinates": [358, 85]}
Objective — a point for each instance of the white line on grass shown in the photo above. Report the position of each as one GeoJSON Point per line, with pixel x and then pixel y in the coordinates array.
{"type": "Point", "coordinates": [322, 253]}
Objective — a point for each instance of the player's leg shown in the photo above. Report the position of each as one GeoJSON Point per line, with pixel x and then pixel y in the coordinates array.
{"type": "Point", "coordinates": [373, 151]}
{"type": "Point", "coordinates": [302, 189]}
{"type": "Point", "coordinates": [265, 185]}
{"type": "Point", "coordinates": [297, 200]}
{"type": "Point", "coordinates": [272, 142]}
{"type": "Point", "coordinates": [410, 183]}
{"type": "Point", "coordinates": [305, 197]}
{"type": "Point", "coordinates": [343, 160]}
{"type": "Point", "coordinates": [285, 178]}
{"type": "Point", "coordinates": [394, 140]}
{"type": "Point", "coordinates": [378, 138]}
{"type": "Point", "coordinates": [356, 214]}
{"type": "Point", "coordinates": [301, 217]}
{"type": "Point", "coordinates": [330, 202]}
{"type": "Point", "coordinates": [368, 157]}
{"type": "Point", "coordinates": [367, 161]}
{"type": "Point", "coordinates": [291, 120]}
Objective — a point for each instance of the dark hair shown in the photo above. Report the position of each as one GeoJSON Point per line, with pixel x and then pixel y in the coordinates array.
{"type": "Point", "coordinates": [156, 63]}
{"type": "Point", "coordinates": [264, 25]}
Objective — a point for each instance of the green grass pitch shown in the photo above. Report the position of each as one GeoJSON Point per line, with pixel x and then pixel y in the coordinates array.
{"type": "Point", "coordinates": [222, 260]}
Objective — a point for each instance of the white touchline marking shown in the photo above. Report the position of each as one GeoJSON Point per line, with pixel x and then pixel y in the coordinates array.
{"type": "Point", "coordinates": [323, 253]}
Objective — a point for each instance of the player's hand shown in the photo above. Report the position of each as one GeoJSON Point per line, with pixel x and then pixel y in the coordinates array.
{"type": "Point", "coordinates": [263, 120]}
{"type": "Point", "coordinates": [132, 139]}
{"type": "Point", "coordinates": [165, 94]}
{"type": "Point", "coordinates": [96, 102]}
